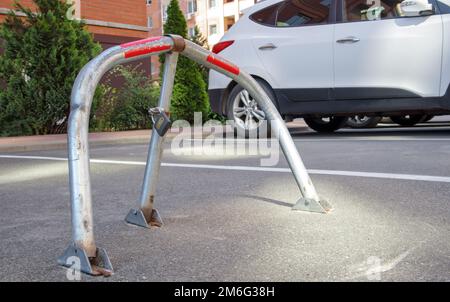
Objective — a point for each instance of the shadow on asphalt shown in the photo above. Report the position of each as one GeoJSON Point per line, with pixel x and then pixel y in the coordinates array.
{"type": "Point", "coordinates": [429, 130]}
{"type": "Point", "coordinates": [268, 200]}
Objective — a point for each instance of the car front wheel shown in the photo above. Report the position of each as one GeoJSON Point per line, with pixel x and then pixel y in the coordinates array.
{"type": "Point", "coordinates": [326, 124]}
{"type": "Point", "coordinates": [248, 117]}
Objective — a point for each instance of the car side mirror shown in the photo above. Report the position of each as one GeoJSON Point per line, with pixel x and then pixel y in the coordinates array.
{"type": "Point", "coordinates": [415, 8]}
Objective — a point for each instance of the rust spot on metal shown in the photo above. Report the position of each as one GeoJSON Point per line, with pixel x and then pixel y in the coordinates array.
{"type": "Point", "coordinates": [155, 223]}
{"type": "Point", "coordinates": [147, 214]}
{"type": "Point", "coordinates": [85, 224]}
{"type": "Point", "coordinates": [97, 270]}
{"type": "Point", "coordinates": [178, 43]}
{"type": "Point", "coordinates": [151, 215]}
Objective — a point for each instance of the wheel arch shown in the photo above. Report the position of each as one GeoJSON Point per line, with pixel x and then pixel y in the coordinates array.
{"type": "Point", "coordinates": [233, 84]}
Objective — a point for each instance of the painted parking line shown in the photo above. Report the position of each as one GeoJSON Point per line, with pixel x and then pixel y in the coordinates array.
{"type": "Point", "coordinates": [429, 178]}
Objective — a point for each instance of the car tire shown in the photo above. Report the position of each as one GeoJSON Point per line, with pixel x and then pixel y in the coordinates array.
{"type": "Point", "coordinates": [362, 121]}
{"type": "Point", "coordinates": [408, 120]}
{"type": "Point", "coordinates": [321, 125]}
{"type": "Point", "coordinates": [238, 112]}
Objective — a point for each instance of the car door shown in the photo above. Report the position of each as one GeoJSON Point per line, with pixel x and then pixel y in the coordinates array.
{"type": "Point", "coordinates": [379, 53]}
{"type": "Point", "coordinates": [295, 45]}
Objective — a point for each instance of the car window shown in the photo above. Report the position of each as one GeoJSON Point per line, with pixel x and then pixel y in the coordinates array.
{"type": "Point", "coordinates": [444, 6]}
{"type": "Point", "coordinates": [303, 12]}
{"type": "Point", "coordinates": [369, 10]}
{"type": "Point", "coordinates": [294, 13]}
{"type": "Point", "coordinates": [267, 16]}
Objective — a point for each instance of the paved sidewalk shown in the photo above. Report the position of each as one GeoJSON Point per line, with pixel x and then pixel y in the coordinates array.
{"type": "Point", "coordinates": [59, 141]}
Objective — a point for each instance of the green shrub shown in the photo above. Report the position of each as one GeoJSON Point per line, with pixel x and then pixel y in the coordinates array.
{"type": "Point", "coordinates": [199, 39]}
{"type": "Point", "coordinates": [43, 53]}
{"type": "Point", "coordinates": [125, 108]}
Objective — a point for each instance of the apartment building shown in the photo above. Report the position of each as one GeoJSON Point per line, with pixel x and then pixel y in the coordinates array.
{"type": "Point", "coordinates": [111, 22]}
{"type": "Point", "coordinates": [215, 17]}
{"type": "Point", "coordinates": [157, 15]}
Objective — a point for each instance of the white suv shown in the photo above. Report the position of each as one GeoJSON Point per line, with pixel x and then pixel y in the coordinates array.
{"type": "Point", "coordinates": [325, 60]}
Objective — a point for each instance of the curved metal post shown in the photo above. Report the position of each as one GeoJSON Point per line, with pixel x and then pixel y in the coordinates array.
{"type": "Point", "coordinates": [310, 200]}
{"type": "Point", "coordinates": [78, 150]}
{"type": "Point", "coordinates": [147, 216]}
{"type": "Point", "coordinates": [93, 260]}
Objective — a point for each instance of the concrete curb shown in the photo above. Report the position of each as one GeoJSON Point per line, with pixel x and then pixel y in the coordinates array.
{"type": "Point", "coordinates": [59, 141]}
{"type": "Point", "coordinates": [63, 145]}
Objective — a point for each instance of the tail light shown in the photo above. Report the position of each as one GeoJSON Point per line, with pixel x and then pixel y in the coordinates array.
{"type": "Point", "coordinates": [221, 46]}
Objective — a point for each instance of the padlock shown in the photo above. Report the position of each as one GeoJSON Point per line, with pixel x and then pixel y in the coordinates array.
{"type": "Point", "coordinates": [161, 122]}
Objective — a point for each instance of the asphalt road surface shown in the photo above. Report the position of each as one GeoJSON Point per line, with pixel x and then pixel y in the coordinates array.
{"type": "Point", "coordinates": [226, 218]}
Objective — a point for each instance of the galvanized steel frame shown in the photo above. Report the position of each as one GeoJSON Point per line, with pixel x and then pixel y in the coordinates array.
{"type": "Point", "coordinates": [78, 147]}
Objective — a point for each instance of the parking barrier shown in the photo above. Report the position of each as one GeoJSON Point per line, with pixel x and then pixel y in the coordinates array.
{"type": "Point", "coordinates": [93, 260]}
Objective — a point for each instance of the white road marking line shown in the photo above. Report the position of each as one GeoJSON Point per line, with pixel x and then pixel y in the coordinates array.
{"type": "Point", "coordinates": [33, 157]}
{"type": "Point", "coordinates": [345, 139]}
{"type": "Point", "coordinates": [374, 139]}
{"type": "Point", "coordinates": [249, 168]}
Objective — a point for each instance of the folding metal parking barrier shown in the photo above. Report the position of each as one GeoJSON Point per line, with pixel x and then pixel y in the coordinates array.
{"type": "Point", "coordinates": [93, 260]}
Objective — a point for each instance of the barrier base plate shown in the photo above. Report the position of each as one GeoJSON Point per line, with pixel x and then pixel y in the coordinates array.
{"type": "Point", "coordinates": [77, 259]}
{"type": "Point", "coordinates": [138, 218]}
{"type": "Point", "coordinates": [311, 205]}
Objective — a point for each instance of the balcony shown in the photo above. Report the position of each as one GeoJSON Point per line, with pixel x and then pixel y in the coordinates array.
{"type": "Point", "coordinates": [229, 8]}
{"type": "Point", "coordinates": [243, 4]}
{"type": "Point", "coordinates": [228, 22]}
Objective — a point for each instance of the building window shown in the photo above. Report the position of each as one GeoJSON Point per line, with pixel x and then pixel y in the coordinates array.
{"type": "Point", "coordinates": [191, 31]}
{"type": "Point", "coordinates": [212, 3]}
{"type": "Point", "coordinates": [164, 13]}
{"type": "Point", "coordinates": [192, 6]}
{"type": "Point", "coordinates": [149, 2]}
{"type": "Point", "coordinates": [149, 22]}
{"type": "Point", "coordinates": [213, 29]}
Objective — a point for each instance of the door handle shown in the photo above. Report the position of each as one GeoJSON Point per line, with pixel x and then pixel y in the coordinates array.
{"type": "Point", "coordinates": [348, 40]}
{"type": "Point", "coordinates": [267, 46]}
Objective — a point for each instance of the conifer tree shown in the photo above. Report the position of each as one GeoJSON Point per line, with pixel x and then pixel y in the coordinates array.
{"type": "Point", "coordinates": [43, 53]}
{"type": "Point", "coordinates": [189, 93]}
